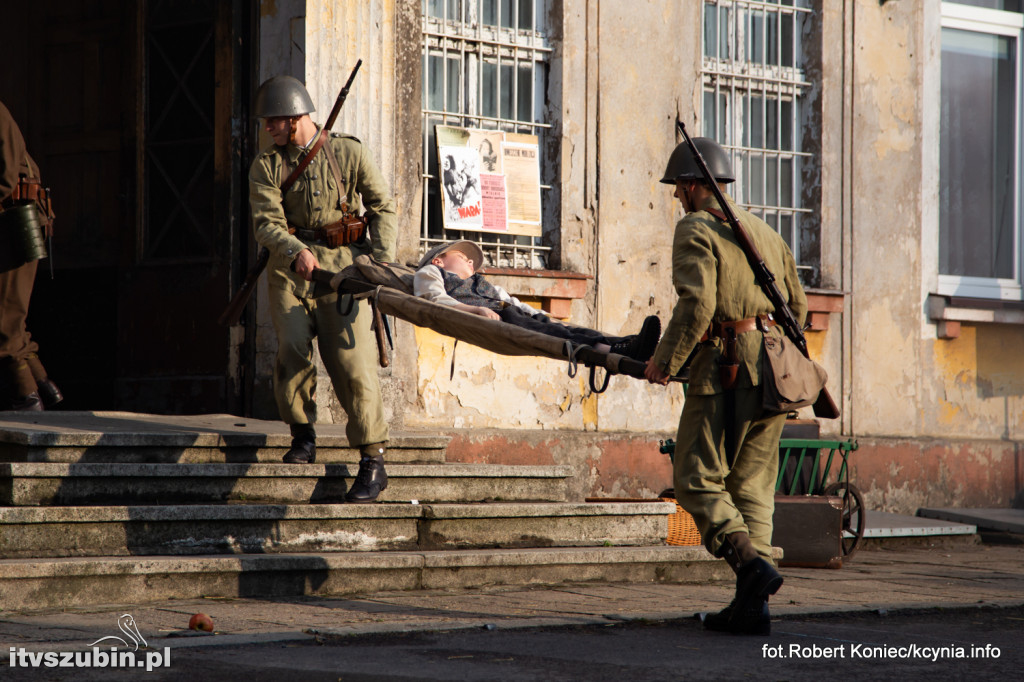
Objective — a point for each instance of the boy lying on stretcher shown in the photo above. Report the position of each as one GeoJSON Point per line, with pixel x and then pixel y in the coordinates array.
{"type": "Point", "coordinates": [447, 275]}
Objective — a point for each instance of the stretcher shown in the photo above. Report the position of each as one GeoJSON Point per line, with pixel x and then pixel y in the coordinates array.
{"type": "Point", "coordinates": [388, 288]}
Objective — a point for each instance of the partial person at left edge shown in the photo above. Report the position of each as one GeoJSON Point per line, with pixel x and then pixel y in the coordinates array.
{"type": "Point", "coordinates": [26, 219]}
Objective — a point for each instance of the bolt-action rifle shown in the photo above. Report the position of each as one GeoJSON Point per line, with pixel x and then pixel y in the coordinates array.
{"type": "Point", "coordinates": [824, 406]}
{"type": "Point", "coordinates": [233, 313]}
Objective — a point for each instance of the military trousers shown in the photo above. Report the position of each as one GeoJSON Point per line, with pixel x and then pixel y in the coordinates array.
{"type": "Point", "coordinates": [348, 350]}
{"type": "Point", "coordinates": [725, 497]}
{"type": "Point", "coordinates": [15, 292]}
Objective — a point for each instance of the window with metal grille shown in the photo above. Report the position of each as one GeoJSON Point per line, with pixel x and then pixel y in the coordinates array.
{"type": "Point", "coordinates": [484, 66]}
{"type": "Point", "coordinates": [753, 84]}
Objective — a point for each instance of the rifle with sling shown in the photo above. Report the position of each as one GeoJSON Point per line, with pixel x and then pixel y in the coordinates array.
{"type": "Point", "coordinates": [824, 407]}
{"type": "Point", "coordinates": [233, 312]}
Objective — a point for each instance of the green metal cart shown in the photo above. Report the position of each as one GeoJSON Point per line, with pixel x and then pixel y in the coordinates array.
{"type": "Point", "coordinates": [818, 467]}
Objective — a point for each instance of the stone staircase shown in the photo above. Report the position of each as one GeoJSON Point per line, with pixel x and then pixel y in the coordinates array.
{"type": "Point", "coordinates": [111, 508]}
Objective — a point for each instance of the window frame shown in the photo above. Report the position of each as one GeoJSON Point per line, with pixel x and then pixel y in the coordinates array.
{"type": "Point", "coordinates": [1009, 24]}
{"type": "Point", "coordinates": [470, 43]}
{"type": "Point", "coordinates": [772, 82]}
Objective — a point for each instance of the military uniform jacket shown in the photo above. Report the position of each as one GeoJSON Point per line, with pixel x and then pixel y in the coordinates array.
{"type": "Point", "coordinates": [312, 202]}
{"type": "Point", "coordinates": [715, 282]}
{"type": "Point", "coordinates": [14, 159]}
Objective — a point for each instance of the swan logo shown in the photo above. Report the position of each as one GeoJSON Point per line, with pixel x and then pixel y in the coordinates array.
{"type": "Point", "coordinates": [94, 657]}
{"type": "Point", "coordinates": [127, 625]}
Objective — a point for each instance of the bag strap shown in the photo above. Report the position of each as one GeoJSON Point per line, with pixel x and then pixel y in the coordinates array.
{"type": "Point", "coordinates": [290, 180]}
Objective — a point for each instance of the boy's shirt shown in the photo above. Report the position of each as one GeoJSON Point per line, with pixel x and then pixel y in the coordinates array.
{"type": "Point", "coordinates": [429, 283]}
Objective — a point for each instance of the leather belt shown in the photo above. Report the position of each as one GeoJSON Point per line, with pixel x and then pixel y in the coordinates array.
{"type": "Point", "coordinates": [718, 330]}
{"type": "Point", "coordinates": [317, 235]}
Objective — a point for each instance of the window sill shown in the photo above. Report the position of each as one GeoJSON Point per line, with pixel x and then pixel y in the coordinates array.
{"type": "Point", "coordinates": [821, 303]}
{"type": "Point", "coordinates": [949, 311]}
{"type": "Point", "coordinates": [555, 290]}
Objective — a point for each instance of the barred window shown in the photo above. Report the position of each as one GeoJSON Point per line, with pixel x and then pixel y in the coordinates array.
{"type": "Point", "coordinates": [753, 82]}
{"type": "Point", "coordinates": [484, 66]}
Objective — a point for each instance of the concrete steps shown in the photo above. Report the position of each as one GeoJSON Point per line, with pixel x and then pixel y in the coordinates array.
{"type": "Point", "coordinates": [112, 508]}
{"type": "Point", "coordinates": [34, 532]}
{"type": "Point", "coordinates": [127, 438]}
{"type": "Point", "coordinates": [49, 483]}
{"type": "Point", "coordinates": [36, 584]}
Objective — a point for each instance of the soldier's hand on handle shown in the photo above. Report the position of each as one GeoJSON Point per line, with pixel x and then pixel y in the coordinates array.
{"type": "Point", "coordinates": [655, 374]}
{"type": "Point", "coordinates": [304, 264]}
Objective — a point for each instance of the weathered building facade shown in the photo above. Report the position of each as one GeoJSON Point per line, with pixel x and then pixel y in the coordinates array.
{"type": "Point", "coordinates": [850, 128]}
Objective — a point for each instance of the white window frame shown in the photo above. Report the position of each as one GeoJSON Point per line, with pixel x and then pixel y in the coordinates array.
{"type": "Point", "coordinates": [1010, 24]}
{"type": "Point", "coordinates": [467, 39]}
{"type": "Point", "coordinates": [741, 78]}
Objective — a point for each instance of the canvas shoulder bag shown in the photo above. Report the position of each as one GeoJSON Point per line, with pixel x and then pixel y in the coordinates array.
{"type": "Point", "coordinates": [789, 380]}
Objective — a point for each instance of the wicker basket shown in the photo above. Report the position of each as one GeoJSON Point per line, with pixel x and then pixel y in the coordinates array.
{"type": "Point", "coordinates": [681, 528]}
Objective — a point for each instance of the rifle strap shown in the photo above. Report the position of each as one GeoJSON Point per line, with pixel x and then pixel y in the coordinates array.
{"type": "Point", "coordinates": [718, 214]}
{"type": "Point", "coordinates": [332, 161]}
{"type": "Point", "coordinates": [287, 184]}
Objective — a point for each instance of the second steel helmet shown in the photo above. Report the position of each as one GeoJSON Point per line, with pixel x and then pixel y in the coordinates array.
{"type": "Point", "coordinates": [682, 165]}
{"type": "Point", "coordinates": [282, 96]}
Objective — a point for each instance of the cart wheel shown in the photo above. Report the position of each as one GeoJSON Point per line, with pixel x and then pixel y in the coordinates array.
{"type": "Point", "coordinates": [854, 517]}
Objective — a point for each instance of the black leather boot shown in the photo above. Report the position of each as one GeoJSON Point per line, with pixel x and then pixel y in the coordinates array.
{"type": "Point", "coordinates": [19, 390]}
{"type": "Point", "coordinates": [756, 580]}
{"type": "Point", "coordinates": [372, 479]}
{"type": "Point", "coordinates": [27, 403]}
{"type": "Point", "coordinates": [754, 621]}
{"type": "Point", "coordinates": [48, 391]}
{"type": "Point", "coordinates": [303, 450]}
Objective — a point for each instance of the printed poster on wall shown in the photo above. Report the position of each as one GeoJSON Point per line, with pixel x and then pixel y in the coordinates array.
{"type": "Point", "coordinates": [507, 179]}
{"type": "Point", "coordinates": [460, 185]}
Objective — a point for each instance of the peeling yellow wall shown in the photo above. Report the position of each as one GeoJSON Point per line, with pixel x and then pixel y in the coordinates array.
{"type": "Point", "coordinates": [980, 377]}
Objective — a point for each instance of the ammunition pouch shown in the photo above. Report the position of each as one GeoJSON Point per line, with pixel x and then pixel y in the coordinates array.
{"type": "Point", "coordinates": [32, 191]}
{"type": "Point", "coordinates": [22, 234]}
{"type": "Point", "coordinates": [349, 230]}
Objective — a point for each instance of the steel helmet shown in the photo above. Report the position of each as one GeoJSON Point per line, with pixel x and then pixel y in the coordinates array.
{"type": "Point", "coordinates": [282, 96]}
{"type": "Point", "coordinates": [682, 165]}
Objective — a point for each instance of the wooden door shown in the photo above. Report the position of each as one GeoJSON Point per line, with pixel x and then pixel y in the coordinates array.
{"type": "Point", "coordinates": [133, 112]}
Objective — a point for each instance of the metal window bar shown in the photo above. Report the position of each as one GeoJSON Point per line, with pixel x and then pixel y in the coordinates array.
{"type": "Point", "coordinates": [751, 74]}
{"type": "Point", "coordinates": [476, 47]}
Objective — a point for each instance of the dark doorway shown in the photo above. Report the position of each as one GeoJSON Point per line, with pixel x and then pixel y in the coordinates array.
{"type": "Point", "coordinates": [135, 112]}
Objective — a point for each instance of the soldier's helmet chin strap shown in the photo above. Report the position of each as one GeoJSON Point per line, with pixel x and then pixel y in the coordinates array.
{"type": "Point", "coordinates": [688, 204]}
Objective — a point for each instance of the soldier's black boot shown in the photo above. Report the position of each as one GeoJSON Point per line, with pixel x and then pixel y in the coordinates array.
{"type": "Point", "coordinates": [640, 346]}
{"type": "Point", "coordinates": [19, 388]}
{"type": "Point", "coordinates": [372, 479]}
{"type": "Point", "coordinates": [750, 623]}
{"type": "Point", "coordinates": [756, 580]}
{"type": "Point", "coordinates": [49, 393]}
{"type": "Point", "coordinates": [303, 450]}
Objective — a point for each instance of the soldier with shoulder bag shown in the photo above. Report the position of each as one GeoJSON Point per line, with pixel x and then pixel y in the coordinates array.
{"type": "Point", "coordinates": [26, 220]}
{"type": "Point", "coordinates": [726, 457]}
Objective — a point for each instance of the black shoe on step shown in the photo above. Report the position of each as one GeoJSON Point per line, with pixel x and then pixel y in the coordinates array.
{"type": "Point", "coordinates": [49, 393]}
{"type": "Point", "coordinates": [301, 452]}
{"type": "Point", "coordinates": [370, 481]}
{"type": "Point", "coordinates": [27, 403]}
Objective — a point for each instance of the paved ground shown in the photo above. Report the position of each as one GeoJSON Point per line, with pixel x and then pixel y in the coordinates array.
{"type": "Point", "coordinates": [877, 581]}
{"type": "Point", "coordinates": [970, 644]}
